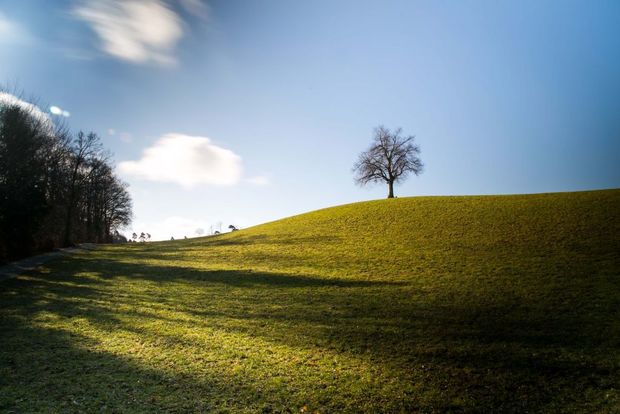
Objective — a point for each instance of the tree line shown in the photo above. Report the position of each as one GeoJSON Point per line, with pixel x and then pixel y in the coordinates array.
{"type": "Point", "coordinates": [56, 188]}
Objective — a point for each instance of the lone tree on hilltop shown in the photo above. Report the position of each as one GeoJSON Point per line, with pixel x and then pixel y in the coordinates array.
{"type": "Point", "coordinates": [390, 158]}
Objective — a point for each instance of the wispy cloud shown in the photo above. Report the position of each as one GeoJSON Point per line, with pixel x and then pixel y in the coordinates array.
{"type": "Point", "coordinates": [186, 160]}
{"type": "Point", "coordinates": [6, 26]}
{"type": "Point", "coordinates": [11, 31]}
{"type": "Point", "coordinates": [138, 31]}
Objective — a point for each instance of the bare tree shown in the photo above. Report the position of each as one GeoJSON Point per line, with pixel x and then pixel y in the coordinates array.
{"type": "Point", "coordinates": [85, 147]}
{"type": "Point", "coordinates": [390, 158]}
{"type": "Point", "coordinates": [55, 189]}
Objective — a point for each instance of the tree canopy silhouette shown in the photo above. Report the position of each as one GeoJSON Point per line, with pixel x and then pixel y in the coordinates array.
{"type": "Point", "coordinates": [55, 189]}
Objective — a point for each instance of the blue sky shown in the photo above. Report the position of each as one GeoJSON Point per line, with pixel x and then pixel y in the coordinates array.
{"type": "Point", "coordinates": [244, 112]}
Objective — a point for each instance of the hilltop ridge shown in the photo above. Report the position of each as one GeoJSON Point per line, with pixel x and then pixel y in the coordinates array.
{"type": "Point", "coordinates": [424, 304]}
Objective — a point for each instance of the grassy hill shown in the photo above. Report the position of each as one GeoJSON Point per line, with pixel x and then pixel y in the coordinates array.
{"type": "Point", "coordinates": [429, 304]}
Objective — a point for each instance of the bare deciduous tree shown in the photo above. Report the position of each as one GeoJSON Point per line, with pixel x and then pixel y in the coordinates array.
{"type": "Point", "coordinates": [85, 148]}
{"type": "Point", "coordinates": [55, 189]}
{"type": "Point", "coordinates": [390, 158]}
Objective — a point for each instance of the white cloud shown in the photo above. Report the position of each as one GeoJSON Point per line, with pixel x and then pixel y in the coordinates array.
{"type": "Point", "coordinates": [60, 112]}
{"type": "Point", "coordinates": [111, 131]}
{"type": "Point", "coordinates": [6, 99]}
{"type": "Point", "coordinates": [138, 31]}
{"type": "Point", "coordinates": [180, 227]}
{"type": "Point", "coordinates": [175, 226]}
{"type": "Point", "coordinates": [187, 161]}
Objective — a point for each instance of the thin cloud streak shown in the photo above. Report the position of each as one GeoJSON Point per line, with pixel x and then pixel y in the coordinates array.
{"type": "Point", "coordinates": [13, 32]}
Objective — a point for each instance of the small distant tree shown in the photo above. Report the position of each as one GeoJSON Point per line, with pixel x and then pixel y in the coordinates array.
{"type": "Point", "coordinates": [390, 158]}
{"type": "Point", "coordinates": [148, 236]}
{"type": "Point", "coordinates": [233, 228]}
{"type": "Point", "coordinates": [117, 237]}
{"type": "Point", "coordinates": [134, 236]}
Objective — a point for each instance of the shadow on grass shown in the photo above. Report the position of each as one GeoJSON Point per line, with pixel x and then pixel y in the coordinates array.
{"type": "Point", "coordinates": [239, 240]}
{"type": "Point", "coordinates": [243, 239]}
{"type": "Point", "coordinates": [446, 355]}
{"type": "Point", "coordinates": [48, 370]}
{"type": "Point", "coordinates": [235, 278]}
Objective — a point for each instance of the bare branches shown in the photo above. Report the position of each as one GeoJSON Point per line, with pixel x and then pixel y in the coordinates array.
{"type": "Point", "coordinates": [55, 188]}
{"type": "Point", "coordinates": [390, 158]}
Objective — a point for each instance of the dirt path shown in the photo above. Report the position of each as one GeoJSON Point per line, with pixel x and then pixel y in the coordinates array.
{"type": "Point", "coordinates": [14, 269]}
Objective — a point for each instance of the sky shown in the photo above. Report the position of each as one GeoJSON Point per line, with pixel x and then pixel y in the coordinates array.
{"type": "Point", "coordinates": [243, 112]}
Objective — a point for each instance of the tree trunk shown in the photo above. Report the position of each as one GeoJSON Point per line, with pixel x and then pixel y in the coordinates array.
{"type": "Point", "coordinates": [72, 194]}
{"type": "Point", "coordinates": [391, 186]}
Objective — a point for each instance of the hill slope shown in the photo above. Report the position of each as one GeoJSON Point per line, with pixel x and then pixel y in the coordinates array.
{"type": "Point", "coordinates": [493, 303]}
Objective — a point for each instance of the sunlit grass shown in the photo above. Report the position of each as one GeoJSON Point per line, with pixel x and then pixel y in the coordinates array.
{"type": "Point", "coordinates": [488, 304]}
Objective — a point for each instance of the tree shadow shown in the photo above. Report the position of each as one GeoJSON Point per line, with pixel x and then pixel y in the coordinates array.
{"type": "Point", "coordinates": [109, 269]}
{"type": "Point", "coordinates": [56, 371]}
{"type": "Point", "coordinates": [221, 240]}
{"type": "Point", "coordinates": [447, 353]}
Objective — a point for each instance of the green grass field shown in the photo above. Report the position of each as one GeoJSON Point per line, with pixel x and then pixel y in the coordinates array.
{"type": "Point", "coordinates": [427, 304]}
